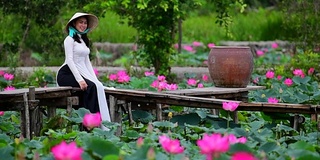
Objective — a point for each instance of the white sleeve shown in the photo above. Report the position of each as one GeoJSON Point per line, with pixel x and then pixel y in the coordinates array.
{"type": "Point", "coordinates": [68, 49]}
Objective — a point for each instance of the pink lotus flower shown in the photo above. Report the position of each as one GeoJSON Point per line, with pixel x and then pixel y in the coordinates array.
{"type": "Point", "coordinates": [113, 77]}
{"type": "Point", "coordinates": [135, 47]}
{"type": "Point", "coordinates": [200, 85]}
{"type": "Point", "coordinates": [260, 53]}
{"type": "Point", "coordinates": [213, 145]}
{"type": "Point", "coordinates": [64, 151]}
{"type": "Point", "coordinates": [92, 120]}
{"type": "Point", "coordinates": [211, 45]}
{"type": "Point", "coordinates": [1, 113]}
{"type": "Point", "coordinates": [233, 139]}
{"type": "Point", "coordinates": [150, 128]}
{"type": "Point", "coordinates": [272, 100]}
{"type": "Point", "coordinates": [279, 77]}
{"type": "Point", "coordinates": [288, 82]}
{"type": "Point", "coordinates": [230, 106]}
{"type": "Point", "coordinates": [189, 49]}
{"type": "Point", "coordinates": [2, 72]}
{"type": "Point", "coordinates": [123, 78]}
{"type": "Point", "coordinates": [96, 72]}
{"type": "Point", "coordinates": [256, 80]}
{"type": "Point", "coordinates": [192, 82]}
{"type": "Point", "coordinates": [140, 142]}
{"type": "Point", "coordinates": [205, 77]}
{"type": "Point", "coordinates": [170, 146]}
{"type": "Point", "coordinates": [9, 88]}
{"type": "Point", "coordinates": [172, 87]}
{"type": "Point", "coordinates": [122, 73]}
{"type": "Point", "coordinates": [151, 154]}
{"type": "Point", "coordinates": [176, 46]}
{"type": "Point", "coordinates": [8, 76]}
{"type": "Point", "coordinates": [242, 140]}
{"type": "Point", "coordinates": [274, 45]}
{"type": "Point", "coordinates": [298, 72]}
{"type": "Point", "coordinates": [162, 86]}
{"type": "Point", "coordinates": [161, 78]}
{"type": "Point", "coordinates": [270, 74]}
{"type": "Point", "coordinates": [243, 156]}
{"type": "Point", "coordinates": [155, 84]}
{"type": "Point", "coordinates": [265, 50]}
{"type": "Point", "coordinates": [147, 73]}
{"type": "Point", "coordinates": [310, 71]}
{"type": "Point", "coordinates": [196, 44]}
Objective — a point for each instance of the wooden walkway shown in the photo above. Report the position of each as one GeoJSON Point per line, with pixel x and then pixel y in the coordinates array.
{"type": "Point", "coordinates": [202, 98]}
{"type": "Point", "coordinates": [30, 102]}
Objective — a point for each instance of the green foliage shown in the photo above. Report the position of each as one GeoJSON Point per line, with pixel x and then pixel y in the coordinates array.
{"type": "Point", "coordinates": [41, 77]}
{"type": "Point", "coordinates": [186, 58]}
{"type": "Point", "coordinates": [302, 20]}
{"type": "Point", "coordinates": [305, 61]}
{"type": "Point", "coordinates": [29, 18]}
{"type": "Point", "coordinates": [9, 126]}
{"type": "Point", "coordinates": [112, 29]}
{"type": "Point", "coordinates": [273, 59]}
{"type": "Point", "coordinates": [156, 25]}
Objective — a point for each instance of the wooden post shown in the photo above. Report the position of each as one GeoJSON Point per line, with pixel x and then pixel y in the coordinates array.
{"type": "Point", "coordinates": [214, 111]}
{"type": "Point", "coordinates": [25, 121]}
{"type": "Point", "coordinates": [296, 122]}
{"type": "Point", "coordinates": [51, 111]}
{"type": "Point", "coordinates": [159, 112]}
{"type": "Point", "coordinates": [113, 103]}
{"type": "Point", "coordinates": [36, 116]}
{"type": "Point", "coordinates": [118, 118]}
{"type": "Point", "coordinates": [130, 113]}
{"type": "Point", "coordinates": [235, 117]}
{"type": "Point", "coordinates": [69, 105]}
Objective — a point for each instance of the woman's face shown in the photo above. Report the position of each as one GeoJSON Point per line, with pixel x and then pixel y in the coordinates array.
{"type": "Point", "coordinates": [81, 24]}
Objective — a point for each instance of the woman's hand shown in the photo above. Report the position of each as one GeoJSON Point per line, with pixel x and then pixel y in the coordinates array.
{"type": "Point", "coordinates": [83, 85]}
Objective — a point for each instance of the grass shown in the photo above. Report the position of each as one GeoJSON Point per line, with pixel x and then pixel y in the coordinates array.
{"type": "Point", "coordinates": [111, 30]}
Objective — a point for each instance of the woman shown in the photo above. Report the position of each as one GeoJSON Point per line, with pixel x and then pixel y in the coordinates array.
{"type": "Point", "coordinates": [77, 70]}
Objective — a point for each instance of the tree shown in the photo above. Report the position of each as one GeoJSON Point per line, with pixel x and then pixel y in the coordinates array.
{"type": "Point", "coordinates": [156, 22]}
{"type": "Point", "coordinates": [302, 19]}
{"type": "Point", "coordinates": [41, 13]}
{"type": "Point", "coordinates": [43, 18]}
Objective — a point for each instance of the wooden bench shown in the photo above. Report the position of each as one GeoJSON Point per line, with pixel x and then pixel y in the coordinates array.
{"type": "Point", "coordinates": [31, 101]}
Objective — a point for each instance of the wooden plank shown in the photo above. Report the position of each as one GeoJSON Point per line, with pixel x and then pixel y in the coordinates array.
{"type": "Point", "coordinates": [207, 91]}
{"type": "Point", "coordinates": [51, 96]}
{"type": "Point", "coordinates": [201, 102]}
{"type": "Point", "coordinates": [210, 103]}
{"type": "Point", "coordinates": [20, 92]}
{"type": "Point", "coordinates": [137, 94]}
{"type": "Point", "coordinates": [127, 92]}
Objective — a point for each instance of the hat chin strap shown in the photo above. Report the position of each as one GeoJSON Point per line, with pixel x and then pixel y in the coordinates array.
{"type": "Point", "coordinates": [73, 31]}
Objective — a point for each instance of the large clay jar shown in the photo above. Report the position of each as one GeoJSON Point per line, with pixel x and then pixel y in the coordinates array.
{"type": "Point", "coordinates": [230, 67]}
